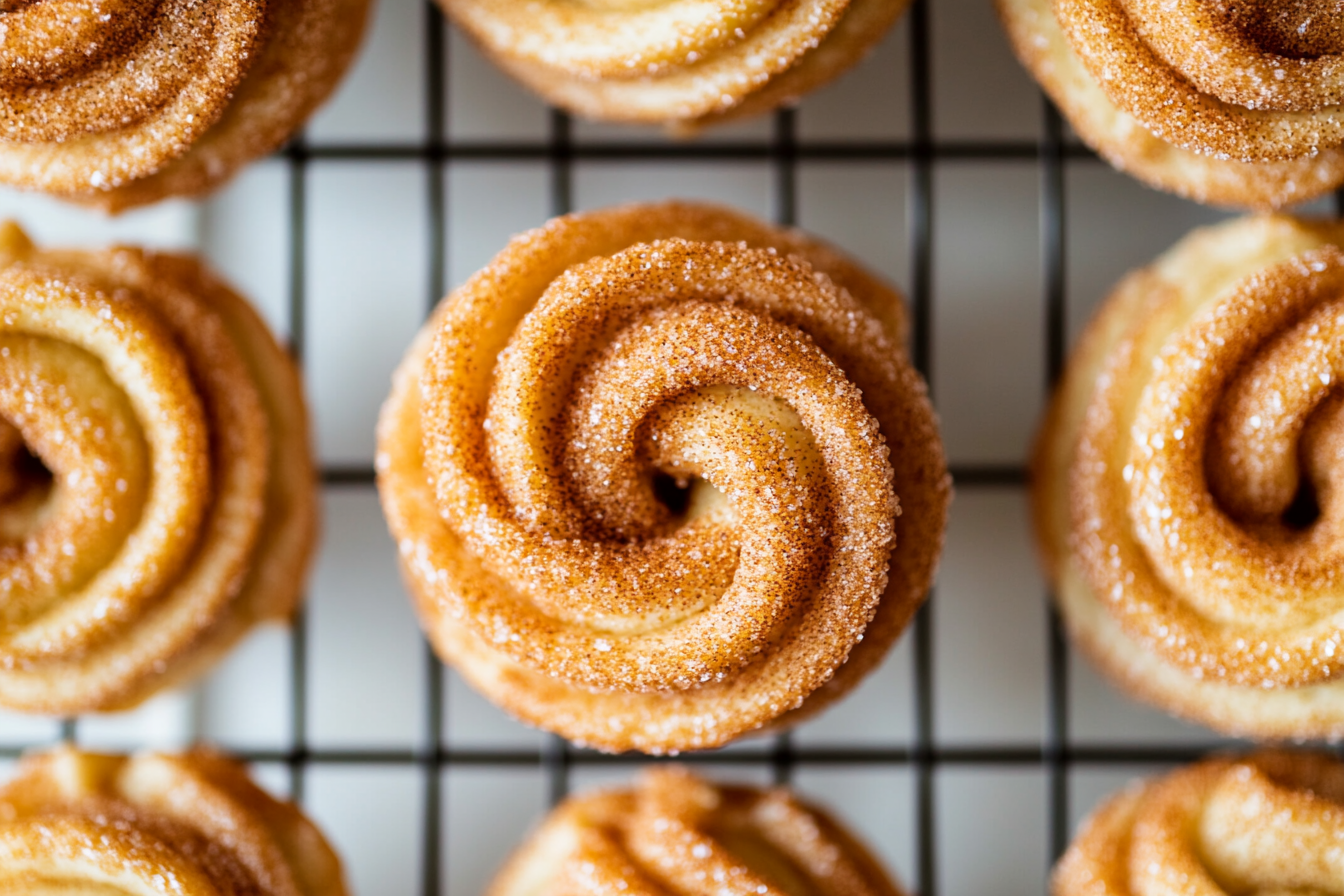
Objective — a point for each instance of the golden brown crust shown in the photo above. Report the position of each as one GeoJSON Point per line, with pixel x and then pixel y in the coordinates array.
{"type": "Point", "coordinates": [191, 824]}
{"type": "Point", "coordinates": [1165, 101]}
{"type": "Point", "coordinates": [681, 63]}
{"type": "Point", "coordinates": [1267, 823]}
{"type": "Point", "coordinates": [518, 447]}
{"type": "Point", "coordinates": [1114, 117]}
{"type": "Point", "coordinates": [180, 506]}
{"type": "Point", "coordinates": [1168, 462]}
{"type": "Point", "coordinates": [672, 832]}
{"type": "Point", "coordinates": [161, 99]}
{"type": "Point", "coordinates": [1282, 55]}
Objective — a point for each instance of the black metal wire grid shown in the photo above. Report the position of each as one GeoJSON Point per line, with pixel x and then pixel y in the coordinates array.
{"type": "Point", "coordinates": [1055, 755]}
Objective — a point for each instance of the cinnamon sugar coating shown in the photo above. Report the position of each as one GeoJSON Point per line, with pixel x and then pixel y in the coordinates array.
{"type": "Point", "coordinates": [681, 63]}
{"type": "Point", "coordinates": [676, 833]}
{"type": "Point", "coordinates": [1185, 480]}
{"type": "Point", "coordinates": [189, 824]}
{"type": "Point", "coordinates": [1271, 822]}
{"type": "Point", "coordinates": [159, 495]}
{"type": "Point", "coordinates": [119, 103]}
{"type": "Point", "coordinates": [1227, 104]}
{"type": "Point", "coordinates": [519, 452]}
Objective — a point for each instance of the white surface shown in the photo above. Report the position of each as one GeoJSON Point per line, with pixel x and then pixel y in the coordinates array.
{"type": "Point", "coordinates": [366, 257]}
{"type": "Point", "coordinates": [367, 285]}
{"type": "Point", "coordinates": [991, 830]}
{"type": "Point", "coordinates": [989, 625]}
{"type": "Point", "coordinates": [979, 91]}
{"type": "Point", "coordinates": [871, 103]}
{"type": "Point", "coordinates": [245, 231]}
{"type": "Point", "coordinates": [169, 225]}
{"type": "Point", "coordinates": [746, 185]}
{"type": "Point", "coordinates": [359, 622]}
{"type": "Point", "coordinates": [988, 342]}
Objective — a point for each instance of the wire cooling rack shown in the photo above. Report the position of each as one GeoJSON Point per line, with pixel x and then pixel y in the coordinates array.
{"type": "Point", "coordinates": [1055, 755]}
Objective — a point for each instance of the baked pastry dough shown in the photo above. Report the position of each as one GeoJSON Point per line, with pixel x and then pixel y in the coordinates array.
{"type": "Point", "coordinates": [1232, 104]}
{"type": "Point", "coordinates": [1267, 823]}
{"type": "Point", "coordinates": [1186, 480]}
{"type": "Point", "coordinates": [675, 833]}
{"type": "Point", "coordinates": [530, 425]}
{"type": "Point", "coordinates": [190, 824]}
{"type": "Point", "coordinates": [118, 103]}
{"type": "Point", "coordinates": [683, 63]}
{"type": "Point", "coordinates": [169, 501]}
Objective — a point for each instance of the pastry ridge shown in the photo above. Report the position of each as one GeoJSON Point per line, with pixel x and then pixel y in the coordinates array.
{"type": "Point", "coordinates": [516, 460]}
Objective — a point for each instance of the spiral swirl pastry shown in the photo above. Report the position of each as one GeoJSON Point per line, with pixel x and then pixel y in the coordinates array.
{"type": "Point", "coordinates": [682, 63]}
{"type": "Point", "coordinates": [118, 103]}
{"type": "Point", "coordinates": [675, 833]}
{"type": "Point", "coordinates": [1235, 104]}
{"type": "Point", "coordinates": [158, 497]}
{"type": "Point", "coordinates": [1267, 823]}
{"type": "Point", "coordinates": [1186, 480]}
{"type": "Point", "coordinates": [643, 471]}
{"type": "Point", "coordinates": [155, 824]}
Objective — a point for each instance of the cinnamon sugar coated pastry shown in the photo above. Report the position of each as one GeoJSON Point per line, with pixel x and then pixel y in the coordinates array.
{"type": "Point", "coordinates": [662, 475]}
{"type": "Point", "coordinates": [1234, 104]}
{"type": "Point", "coordinates": [189, 824]}
{"type": "Point", "coordinates": [118, 103]}
{"type": "Point", "coordinates": [157, 489]}
{"type": "Point", "coordinates": [682, 63]}
{"type": "Point", "coordinates": [1187, 480]}
{"type": "Point", "coordinates": [1267, 823]}
{"type": "Point", "coordinates": [675, 833]}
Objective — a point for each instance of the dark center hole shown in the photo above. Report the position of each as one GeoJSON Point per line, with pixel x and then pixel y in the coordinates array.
{"type": "Point", "coordinates": [1298, 29]}
{"type": "Point", "coordinates": [1305, 509]}
{"type": "Point", "coordinates": [25, 486]}
{"type": "Point", "coordinates": [673, 493]}
{"type": "Point", "coordinates": [21, 471]}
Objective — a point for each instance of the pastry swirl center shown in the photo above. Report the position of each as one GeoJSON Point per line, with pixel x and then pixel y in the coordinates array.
{"type": "Point", "coordinates": [686, 359]}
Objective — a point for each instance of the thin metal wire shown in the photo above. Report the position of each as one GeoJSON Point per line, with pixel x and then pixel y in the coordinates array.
{"type": "Point", "coordinates": [433, 833]}
{"type": "Point", "coordinates": [919, 213]}
{"type": "Point", "coordinates": [298, 158]}
{"type": "Point", "coordinates": [986, 755]}
{"type": "Point", "coordinates": [1053, 261]}
{"type": "Point", "coordinates": [722, 152]}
